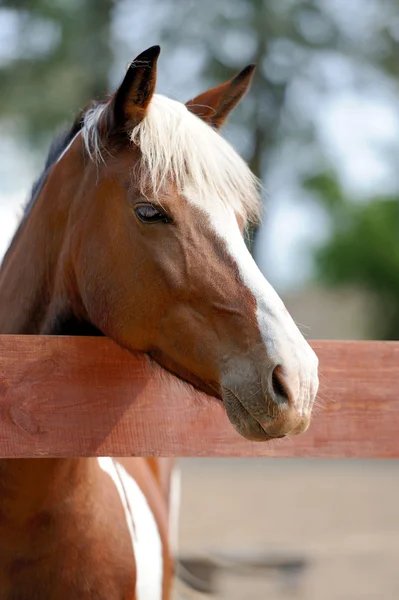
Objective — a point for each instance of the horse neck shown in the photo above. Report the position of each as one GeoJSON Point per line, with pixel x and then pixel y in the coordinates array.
{"type": "Point", "coordinates": [37, 291]}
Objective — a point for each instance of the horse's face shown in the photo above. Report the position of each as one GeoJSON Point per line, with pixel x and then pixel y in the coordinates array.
{"type": "Point", "coordinates": [165, 268]}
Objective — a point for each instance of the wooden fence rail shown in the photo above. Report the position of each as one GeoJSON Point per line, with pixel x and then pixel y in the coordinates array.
{"type": "Point", "coordinates": [88, 397]}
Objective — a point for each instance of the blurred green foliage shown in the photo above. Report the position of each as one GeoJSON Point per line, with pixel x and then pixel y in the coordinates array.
{"type": "Point", "coordinates": [363, 249]}
{"type": "Point", "coordinates": [62, 60]}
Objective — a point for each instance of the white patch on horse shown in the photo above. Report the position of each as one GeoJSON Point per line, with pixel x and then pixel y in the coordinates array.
{"type": "Point", "coordinates": [143, 529]}
{"type": "Point", "coordinates": [282, 338]}
{"type": "Point", "coordinates": [174, 509]}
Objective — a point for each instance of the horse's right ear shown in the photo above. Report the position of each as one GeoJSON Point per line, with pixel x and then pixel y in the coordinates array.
{"type": "Point", "coordinates": [131, 100]}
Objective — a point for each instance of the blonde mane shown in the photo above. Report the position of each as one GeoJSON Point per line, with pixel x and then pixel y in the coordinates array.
{"type": "Point", "coordinates": [178, 146]}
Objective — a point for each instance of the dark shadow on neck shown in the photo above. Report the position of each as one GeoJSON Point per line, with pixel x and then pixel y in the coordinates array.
{"type": "Point", "coordinates": [71, 325]}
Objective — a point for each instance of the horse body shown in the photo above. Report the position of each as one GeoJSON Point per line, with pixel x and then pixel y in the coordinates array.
{"type": "Point", "coordinates": [134, 231]}
{"type": "Point", "coordinates": [65, 531]}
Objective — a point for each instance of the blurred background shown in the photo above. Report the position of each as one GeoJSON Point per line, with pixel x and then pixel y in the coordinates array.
{"type": "Point", "coordinates": [321, 128]}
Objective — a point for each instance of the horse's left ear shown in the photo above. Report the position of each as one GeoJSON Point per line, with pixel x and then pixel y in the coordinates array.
{"type": "Point", "coordinates": [131, 100]}
{"type": "Point", "coordinates": [215, 105]}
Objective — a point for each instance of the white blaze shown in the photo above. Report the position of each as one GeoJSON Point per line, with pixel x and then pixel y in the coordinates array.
{"type": "Point", "coordinates": [284, 342]}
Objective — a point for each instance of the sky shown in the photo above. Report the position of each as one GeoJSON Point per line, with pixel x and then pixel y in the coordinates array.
{"type": "Point", "coordinates": [352, 127]}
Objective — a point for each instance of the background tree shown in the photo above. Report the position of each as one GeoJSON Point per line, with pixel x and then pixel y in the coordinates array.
{"type": "Point", "coordinates": [61, 59]}
{"type": "Point", "coordinates": [363, 249]}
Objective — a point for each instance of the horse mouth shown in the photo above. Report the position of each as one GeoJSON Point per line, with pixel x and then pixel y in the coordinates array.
{"type": "Point", "coordinates": [241, 417]}
{"type": "Point", "coordinates": [243, 421]}
{"type": "Point", "coordinates": [285, 421]}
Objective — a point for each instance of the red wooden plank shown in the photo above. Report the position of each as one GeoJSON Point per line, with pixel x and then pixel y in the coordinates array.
{"type": "Point", "coordinates": [88, 397]}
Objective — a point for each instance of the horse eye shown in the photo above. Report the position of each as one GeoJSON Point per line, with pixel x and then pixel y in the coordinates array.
{"type": "Point", "coordinates": [150, 214]}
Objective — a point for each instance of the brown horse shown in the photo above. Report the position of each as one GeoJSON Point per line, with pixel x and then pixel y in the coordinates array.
{"type": "Point", "coordinates": [135, 231]}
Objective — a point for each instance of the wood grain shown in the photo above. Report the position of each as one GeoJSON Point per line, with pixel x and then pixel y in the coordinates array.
{"type": "Point", "coordinates": [63, 396]}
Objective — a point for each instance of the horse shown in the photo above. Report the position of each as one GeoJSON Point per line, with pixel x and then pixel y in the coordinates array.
{"type": "Point", "coordinates": [135, 231]}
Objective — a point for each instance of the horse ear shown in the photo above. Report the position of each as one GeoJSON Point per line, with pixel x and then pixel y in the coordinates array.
{"type": "Point", "coordinates": [215, 105]}
{"type": "Point", "coordinates": [131, 100]}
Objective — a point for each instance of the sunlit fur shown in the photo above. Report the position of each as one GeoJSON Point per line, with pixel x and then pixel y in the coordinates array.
{"type": "Point", "coordinates": [177, 146]}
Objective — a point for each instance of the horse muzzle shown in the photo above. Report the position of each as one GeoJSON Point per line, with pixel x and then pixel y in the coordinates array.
{"type": "Point", "coordinates": [268, 407]}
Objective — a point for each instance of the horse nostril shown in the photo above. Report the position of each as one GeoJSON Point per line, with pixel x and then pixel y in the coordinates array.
{"type": "Point", "coordinates": [278, 385]}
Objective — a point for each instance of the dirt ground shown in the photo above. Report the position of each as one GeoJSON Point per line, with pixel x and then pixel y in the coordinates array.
{"type": "Point", "coordinates": [338, 518]}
